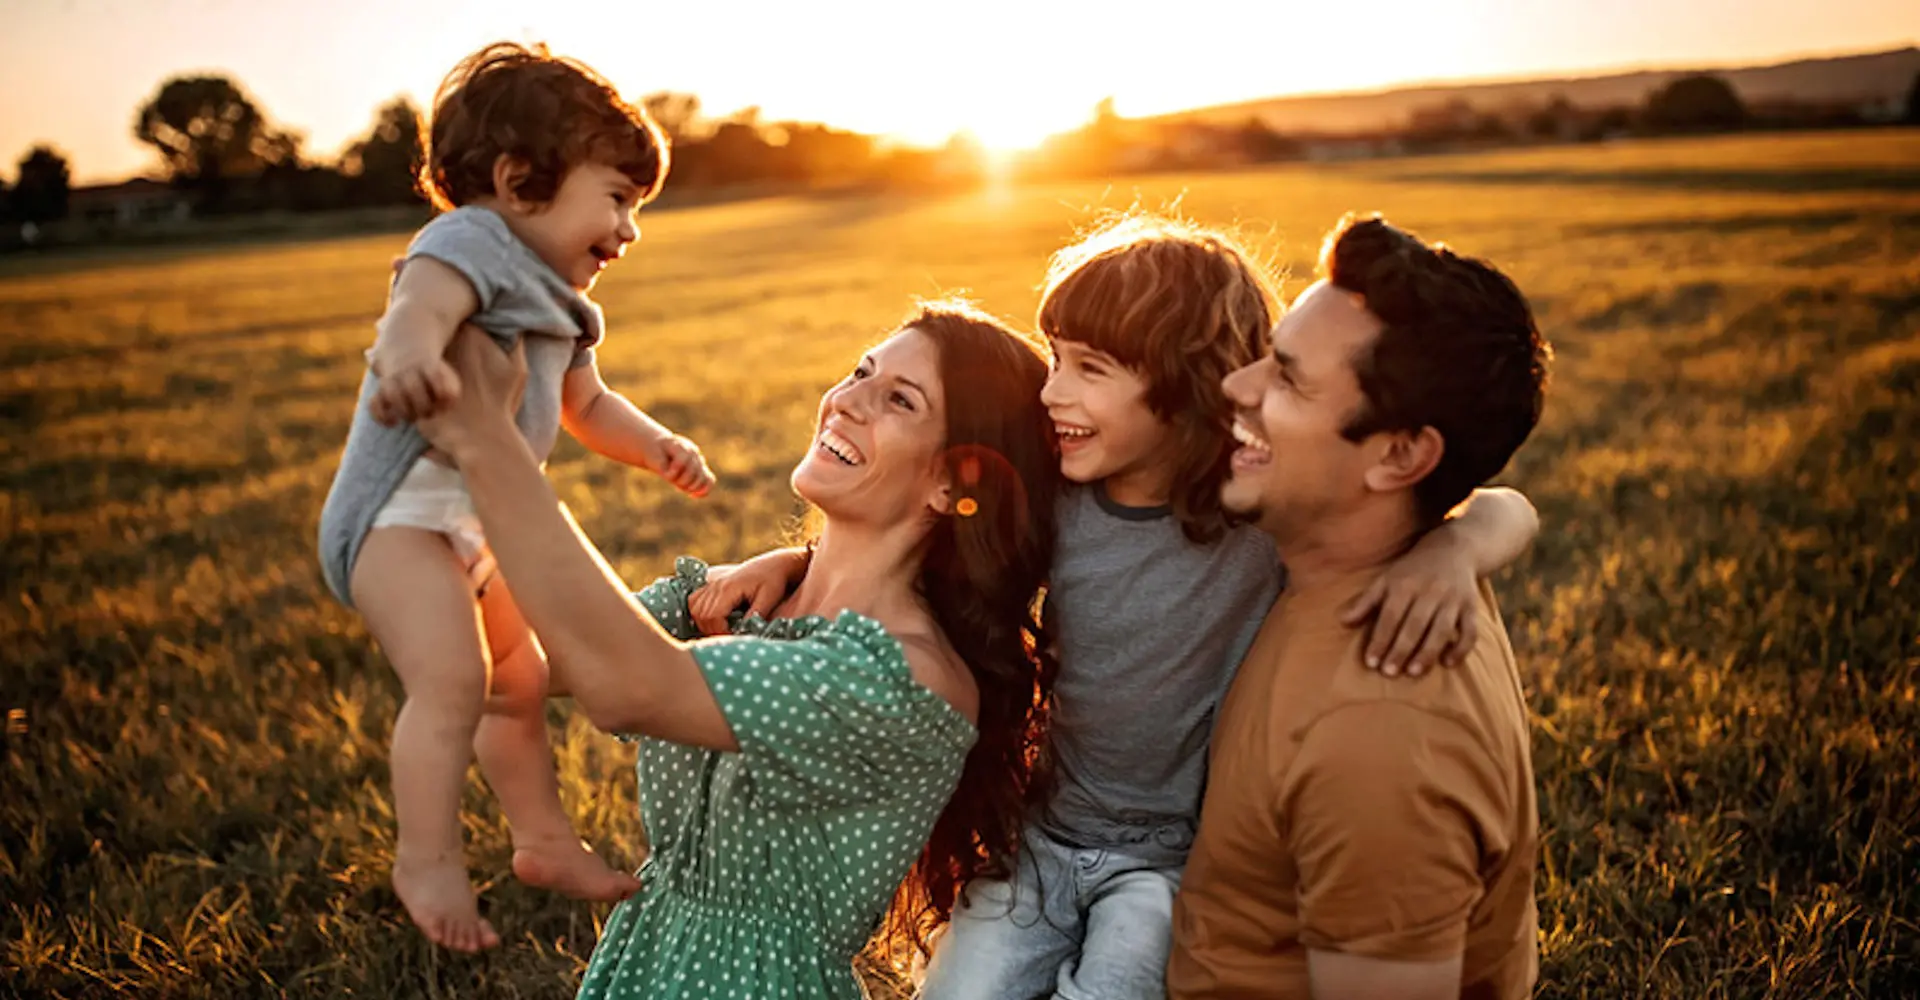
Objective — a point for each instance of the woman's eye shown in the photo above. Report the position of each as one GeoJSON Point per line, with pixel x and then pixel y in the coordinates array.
{"type": "Point", "coordinates": [900, 399]}
{"type": "Point", "coordinates": [860, 373]}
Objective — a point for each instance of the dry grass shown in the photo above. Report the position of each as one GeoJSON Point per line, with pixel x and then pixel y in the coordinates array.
{"type": "Point", "coordinates": [1719, 625]}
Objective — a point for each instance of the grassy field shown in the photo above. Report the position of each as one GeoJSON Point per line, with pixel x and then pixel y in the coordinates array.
{"type": "Point", "coordinates": [1719, 625]}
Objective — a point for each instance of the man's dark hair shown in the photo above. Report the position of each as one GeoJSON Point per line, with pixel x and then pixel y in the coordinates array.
{"type": "Point", "coordinates": [1458, 351]}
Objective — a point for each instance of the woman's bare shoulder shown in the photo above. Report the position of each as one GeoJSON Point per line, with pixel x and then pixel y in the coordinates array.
{"type": "Point", "coordinates": [936, 666]}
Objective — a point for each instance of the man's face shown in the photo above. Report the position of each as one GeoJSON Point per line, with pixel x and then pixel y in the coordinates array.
{"type": "Point", "coordinates": [1293, 466]}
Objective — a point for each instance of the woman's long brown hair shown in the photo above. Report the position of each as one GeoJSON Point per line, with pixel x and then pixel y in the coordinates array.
{"type": "Point", "coordinates": [983, 576]}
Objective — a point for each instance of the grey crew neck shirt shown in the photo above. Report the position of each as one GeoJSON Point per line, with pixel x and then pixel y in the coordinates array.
{"type": "Point", "coordinates": [519, 294]}
{"type": "Point", "coordinates": [1151, 627]}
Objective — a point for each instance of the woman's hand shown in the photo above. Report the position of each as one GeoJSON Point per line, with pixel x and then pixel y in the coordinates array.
{"type": "Point", "coordinates": [1427, 608]}
{"type": "Point", "coordinates": [492, 383]}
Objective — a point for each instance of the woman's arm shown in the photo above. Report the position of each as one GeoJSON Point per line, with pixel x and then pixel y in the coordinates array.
{"type": "Point", "coordinates": [625, 671]}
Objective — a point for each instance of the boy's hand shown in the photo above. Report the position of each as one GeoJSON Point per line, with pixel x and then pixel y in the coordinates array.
{"type": "Point", "coordinates": [1427, 603]}
{"type": "Point", "coordinates": [759, 583]}
{"type": "Point", "coordinates": [680, 462]}
{"type": "Point", "coordinates": [413, 391]}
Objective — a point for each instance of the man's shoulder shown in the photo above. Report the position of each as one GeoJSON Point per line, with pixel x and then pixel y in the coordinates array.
{"type": "Point", "coordinates": [1315, 675]}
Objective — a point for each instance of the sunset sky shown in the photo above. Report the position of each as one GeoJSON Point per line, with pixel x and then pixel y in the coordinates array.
{"type": "Point", "coordinates": [72, 72]}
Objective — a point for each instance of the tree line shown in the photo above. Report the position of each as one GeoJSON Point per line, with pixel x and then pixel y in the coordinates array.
{"type": "Point", "coordinates": [221, 151]}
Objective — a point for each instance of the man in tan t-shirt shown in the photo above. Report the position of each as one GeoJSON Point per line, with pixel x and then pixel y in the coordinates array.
{"type": "Point", "coordinates": [1365, 836]}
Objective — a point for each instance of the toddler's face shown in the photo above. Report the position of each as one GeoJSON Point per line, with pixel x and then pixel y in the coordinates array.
{"type": "Point", "coordinates": [587, 225]}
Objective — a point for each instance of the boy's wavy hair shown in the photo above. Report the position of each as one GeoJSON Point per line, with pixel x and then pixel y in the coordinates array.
{"type": "Point", "coordinates": [548, 111]}
{"type": "Point", "coordinates": [1183, 305]}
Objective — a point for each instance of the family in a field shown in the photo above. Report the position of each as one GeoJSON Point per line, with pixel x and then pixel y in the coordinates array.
{"type": "Point", "coordinates": [1149, 656]}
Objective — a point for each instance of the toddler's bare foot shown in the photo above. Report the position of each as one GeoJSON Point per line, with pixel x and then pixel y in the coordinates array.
{"type": "Point", "coordinates": [440, 900]}
{"type": "Point", "coordinates": [569, 868]}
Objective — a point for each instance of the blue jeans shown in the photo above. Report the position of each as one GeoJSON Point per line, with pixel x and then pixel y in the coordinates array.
{"type": "Point", "coordinates": [1072, 924]}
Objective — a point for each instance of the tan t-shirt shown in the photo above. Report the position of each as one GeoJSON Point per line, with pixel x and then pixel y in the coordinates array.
{"type": "Point", "coordinates": [1346, 811]}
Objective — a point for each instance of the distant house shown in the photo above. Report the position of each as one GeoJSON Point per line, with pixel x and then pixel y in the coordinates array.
{"type": "Point", "coordinates": [127, 205]}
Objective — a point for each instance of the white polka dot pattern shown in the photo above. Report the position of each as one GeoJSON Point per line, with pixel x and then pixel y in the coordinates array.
{"type": "Point", "coordinates": [771, 867]}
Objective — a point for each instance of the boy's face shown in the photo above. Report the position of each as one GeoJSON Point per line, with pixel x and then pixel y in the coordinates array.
{"type": "Point", "coordinates": [586, 226]}
{"type": "Point", "coordinates": [1106, 430]}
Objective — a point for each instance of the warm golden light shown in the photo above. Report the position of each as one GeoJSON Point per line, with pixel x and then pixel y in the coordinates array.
{"type": "Point", "coordinates": [1009, 72]}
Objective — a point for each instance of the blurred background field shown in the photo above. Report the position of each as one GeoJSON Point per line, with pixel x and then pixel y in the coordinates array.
{"type": "Point", "coordinates": [1718, 625]}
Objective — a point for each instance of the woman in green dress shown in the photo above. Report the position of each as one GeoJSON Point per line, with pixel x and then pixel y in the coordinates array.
{"type": "Point", "coordinates": [840, 769]}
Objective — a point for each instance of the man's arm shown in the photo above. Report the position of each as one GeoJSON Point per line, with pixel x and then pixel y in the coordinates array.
{"type": "Point", "coordinates": [1333, 975]}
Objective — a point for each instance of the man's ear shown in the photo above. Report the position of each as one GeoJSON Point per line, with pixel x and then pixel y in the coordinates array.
{"type": "Point", "coordinates": [1408, 458]}
{"type": "Point", "coordinates": [509, 172]}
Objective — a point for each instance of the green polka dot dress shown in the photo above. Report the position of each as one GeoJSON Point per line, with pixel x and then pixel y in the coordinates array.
{"type": "Point", "coordinates": [771, 867]}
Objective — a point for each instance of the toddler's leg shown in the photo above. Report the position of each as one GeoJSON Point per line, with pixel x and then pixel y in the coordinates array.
{"type": "Point", "coordinates": [1010, 939]}
{"type": "Point", "coordinates": [1129, 938]}
{"type": "Point", "coordinates": [518, 762]}
{"type": "Point", "coordinates": [414, 595]}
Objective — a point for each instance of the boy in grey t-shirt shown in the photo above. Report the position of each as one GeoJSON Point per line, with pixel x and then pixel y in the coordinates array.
{"type": "Point", "coordinates": [540, 168]}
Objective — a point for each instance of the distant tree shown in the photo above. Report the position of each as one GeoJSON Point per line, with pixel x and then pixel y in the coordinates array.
{"type": "Point", "coordinates": [1556, 118]}
{"type": "Point", "coordinates": [1260, 142]}
{"type": "Point", "coordinates": [1611, 121]}
{"type": "Point", "coordinates": [6, 208]}
{"type": "Point", "coordinates": [1913, 101]}
{"type": "Point", "coordinates": [1453, 118]}
{"type": "Point", "coordinates": [1695, 103]}
{"type": "Point", "coordinates": [209, 134]}
{"type": "Point", "coordinates": [818, 153]}
{"type": "Point", "coordinates": [737, 152]}
{"type": "Point", "coordinates": [677, 114]}
{"type": "Point", "coordinates": [385, 165]}
{"type": "Point", "coordinates": [40, 192]}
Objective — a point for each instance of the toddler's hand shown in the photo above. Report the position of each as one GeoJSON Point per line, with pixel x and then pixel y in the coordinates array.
{"type": "Point", "coordinates": [413, 391]}
{"type": "Point", "coordinates": [680, 462]}
{"type": "Point", "coordinates": [760, 584]}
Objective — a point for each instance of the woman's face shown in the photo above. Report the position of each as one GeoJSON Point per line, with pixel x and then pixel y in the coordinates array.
{"type": "Point", "coordinates": [876, 452]}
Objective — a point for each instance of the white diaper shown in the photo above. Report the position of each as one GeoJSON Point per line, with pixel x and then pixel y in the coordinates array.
{"type": "Point", "coordinates": [434, 497]}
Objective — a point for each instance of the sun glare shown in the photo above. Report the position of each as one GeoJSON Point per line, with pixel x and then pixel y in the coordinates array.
{"type": "Point", "coordinates": [1017, 133]}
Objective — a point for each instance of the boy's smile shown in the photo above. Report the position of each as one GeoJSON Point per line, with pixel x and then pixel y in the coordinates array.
{"type": "Point", "coordinates": [1105, 428]}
